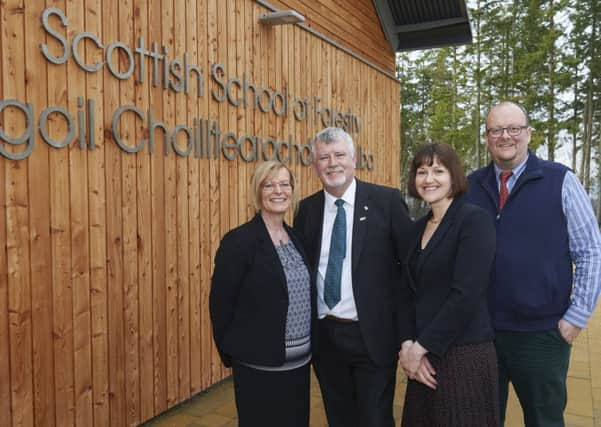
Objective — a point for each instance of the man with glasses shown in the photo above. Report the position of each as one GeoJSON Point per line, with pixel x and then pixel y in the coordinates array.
{"type": "Point", "coordinates": [547, 274]}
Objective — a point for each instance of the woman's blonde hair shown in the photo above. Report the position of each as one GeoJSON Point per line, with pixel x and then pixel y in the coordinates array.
{"type": "Point", "coordinates": [265, 171]}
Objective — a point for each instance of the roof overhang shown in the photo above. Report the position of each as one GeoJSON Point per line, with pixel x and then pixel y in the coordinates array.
{"type": "Point", "coordinates": [422, 24]}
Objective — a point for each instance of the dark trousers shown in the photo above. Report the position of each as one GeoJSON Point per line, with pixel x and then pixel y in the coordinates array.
{"type": "Point", "coordinates": [536, 363]}
{"type": "Point", "coordinates": [271, 398]}
{"type": "Point", "coordinates": [355, 391]}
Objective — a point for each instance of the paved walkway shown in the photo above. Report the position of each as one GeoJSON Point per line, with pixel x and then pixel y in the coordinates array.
{"type": "Point", "coordinates": [216, 407]}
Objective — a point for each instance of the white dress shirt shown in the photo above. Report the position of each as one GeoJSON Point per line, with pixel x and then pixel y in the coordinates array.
{"type": "Point", "coordinates": [346, 306]}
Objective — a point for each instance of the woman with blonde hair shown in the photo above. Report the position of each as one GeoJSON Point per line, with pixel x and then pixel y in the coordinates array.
{"type": "Point", "coordinates": [261, 304]}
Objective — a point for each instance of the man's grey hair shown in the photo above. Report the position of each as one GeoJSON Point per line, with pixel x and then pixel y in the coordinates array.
{"type": "Point", "coordinates": [331, 135]}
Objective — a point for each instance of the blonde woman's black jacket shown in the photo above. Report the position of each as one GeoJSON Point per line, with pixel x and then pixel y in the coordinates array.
{"type": "Point", "coordinates": [249, 296]}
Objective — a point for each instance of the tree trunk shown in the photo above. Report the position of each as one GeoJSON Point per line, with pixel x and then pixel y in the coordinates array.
{"type": "Point", "coordinates": [551, 143]}
{"type": "Point", "coordinates": [575, 120]}
{"type": "Point", "coordinates": [587, 137]}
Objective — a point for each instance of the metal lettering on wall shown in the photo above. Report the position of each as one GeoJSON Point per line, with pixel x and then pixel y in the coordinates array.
{"type": "Point", "coordinates": [203, 137]}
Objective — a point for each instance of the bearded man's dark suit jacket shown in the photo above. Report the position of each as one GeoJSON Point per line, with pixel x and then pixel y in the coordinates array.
{"type": "Point", "coordinates": [382, 231]}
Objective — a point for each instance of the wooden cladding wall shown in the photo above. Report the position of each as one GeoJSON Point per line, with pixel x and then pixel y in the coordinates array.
{"type": "Point", "coordinates": [352, 23]}
{"type": "Point", "coordinates": [106, 256]}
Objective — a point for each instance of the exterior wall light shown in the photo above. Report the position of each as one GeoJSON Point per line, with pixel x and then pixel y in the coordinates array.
{"type": "Point", "coordinates": [281, 17]}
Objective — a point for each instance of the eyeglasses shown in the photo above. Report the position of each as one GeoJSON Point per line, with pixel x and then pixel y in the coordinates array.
{"type": "Point", "coordinates": [270, 187]}
{"type": "Point", "coordinates": [511, 130]}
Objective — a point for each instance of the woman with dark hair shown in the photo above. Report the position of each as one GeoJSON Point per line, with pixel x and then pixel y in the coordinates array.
{"type": "Point", "coordinates": [447, 346]}
{"type": "Point", "coordinates": [261, 304]}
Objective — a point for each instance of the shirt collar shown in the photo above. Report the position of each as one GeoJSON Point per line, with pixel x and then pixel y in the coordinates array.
{"type": "Point", "coordinates": [348, 196]}
{"type": "Point", "coordinates": [517, 171]}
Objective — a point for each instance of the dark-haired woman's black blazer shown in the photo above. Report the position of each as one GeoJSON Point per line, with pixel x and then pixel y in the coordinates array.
{"type": "Point", "coordinates": [449, 287]}
{"type": "Point", "coordinates": [249, 296]}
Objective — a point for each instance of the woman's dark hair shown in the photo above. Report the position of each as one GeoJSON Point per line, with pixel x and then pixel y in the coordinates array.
{"type": "Point", "coordinates": [444, 155]}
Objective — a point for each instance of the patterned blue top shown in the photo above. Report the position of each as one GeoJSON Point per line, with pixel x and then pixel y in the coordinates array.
{"type": "Point", "coordinates": [298, 320]}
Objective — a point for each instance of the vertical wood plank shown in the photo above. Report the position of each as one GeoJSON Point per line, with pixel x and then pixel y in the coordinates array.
{"type": "Point", "coordinates": [300, 75]}
{"type": "Point", "coordinates": [80, 278]}
{"type": "Point", "coordinates": [19, 295]}
{"type": "Point", "coordinates": [17, 246]}
{"type": "Point", "coordinates": [129, 217]}
{"type": "Point", "coordinates": [182, 221]}
{"type": "Point", "coordinates": [229, 188]}
{"type": "Point", "coordinates": [114, 231]}
{"type": "Point", "coordinates": [158, 228]}
{"type": "Point", "coordinates": [194, 189]}
{"type": "Point", "coordinates": [295, 81]}
{"type": "Point", "coordinates": [285, 84]}
{"type": "Point", "coordinates": [307, 126]}
{"type": "Point", "coordinates": [222, 164]}
{"type": "Point", "coordinates": [144, 227]}
{"type": "Point", "coordinates": [214, 211]}
{"type": "Point", "coordinates": [5, 381]}
{"type": "Point", "coordinates": [252, 48]}
{"type": "Point", "coordinates": [41, 261]}
{"type": "Point", "coordinates": [242, 116]}
{"type": "Point", "coordinates": [97, 225]}
{"type": "Point", "coordinates": [206, 195]}
{"type": "Point", "coordinates": [273, 38]}
{"type": "Point", "coordinates": [231, 34]}
{"type": "Point", "coordinates": [170, 178]}
{"type": "Point", "coordinates": [61, 245]}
